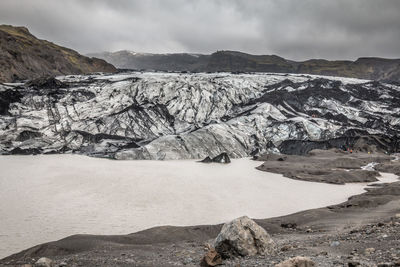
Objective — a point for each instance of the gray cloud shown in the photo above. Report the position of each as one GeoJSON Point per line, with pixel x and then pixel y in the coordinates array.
{"type": "Point", "coordinates": [333, 29]}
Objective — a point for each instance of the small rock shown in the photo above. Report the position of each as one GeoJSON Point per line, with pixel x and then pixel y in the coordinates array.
{"type": "Point", "coordinates": [44, 262]}
{"type": "Point", "coordinates": [289, 225]}
{"type": "Point", "coordinates": [62, 264]}
{"type": "Point", "coordinates": [353, 263]}
{"type": "Point", "coordinates": [188, 260]}
{"type": "Point", "coordinates": [369, 251]}
{"type": "Point", "coordinates": [243, 237]}
{"type": "Point", "coordinates": [212, 258]}
{"type": "Point", "coordinates": [286, 248]}
{"type": "Point", "coordinates": [297, 262]}
{"type": "Point", "coordinates": [335, 243]}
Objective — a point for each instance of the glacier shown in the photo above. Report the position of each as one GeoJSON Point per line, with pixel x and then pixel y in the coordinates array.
{"type": "Point", "coordinates": [163, 116]}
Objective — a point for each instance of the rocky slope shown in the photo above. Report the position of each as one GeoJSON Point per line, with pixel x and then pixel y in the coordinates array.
{"type": "Point", "coordinates": [23, 56]}
{"type": "Point", "coordinates": [363, 68]}
{"type": "Point", "coordinates": [177, 116]}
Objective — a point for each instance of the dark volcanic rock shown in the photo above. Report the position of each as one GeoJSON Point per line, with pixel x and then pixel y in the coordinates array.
{"type": "Point", "coordinates": [25, 151]}
{"type": "Point", "coordinates": [26, 135]}
{"type": "Point", "coordinates": [45, 83]}
{"type": "Point", "coordinates": [6, 98]}
{"type": "Point", "coordinates": [221, 158]}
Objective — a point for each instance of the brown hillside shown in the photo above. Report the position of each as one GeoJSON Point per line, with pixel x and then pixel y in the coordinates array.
{"type": "Point", "coordinates": [23, 56]}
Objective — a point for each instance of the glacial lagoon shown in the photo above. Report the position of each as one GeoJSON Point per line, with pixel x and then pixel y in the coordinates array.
{"type": "Point", "coordinates": [48, 197]}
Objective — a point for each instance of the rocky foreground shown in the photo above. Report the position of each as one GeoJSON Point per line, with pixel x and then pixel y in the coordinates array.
{"type": "Point", "coordinates": [363, 231]}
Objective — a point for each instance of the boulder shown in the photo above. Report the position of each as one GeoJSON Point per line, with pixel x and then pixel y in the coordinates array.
{"type": "Point", "coordinates": [6, 98]}
{"type": "Point", "coordinates": [44, 262]}
{"type": "Point", "coordinates": [207, 160]}
{"type": "Point", "coordinates": [243, 237]}
{"type": "Point", "coordinates": [221, 158]}
{"type": "Point", "coordinates": [369, 251]}
{"type": "Point", "coordinates": [297, 262]}
{"type": "Point", "coordinates": [289, 225]}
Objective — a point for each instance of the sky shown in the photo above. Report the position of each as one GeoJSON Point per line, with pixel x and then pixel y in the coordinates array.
{"type": "Point", "coordinates": [294, 29]}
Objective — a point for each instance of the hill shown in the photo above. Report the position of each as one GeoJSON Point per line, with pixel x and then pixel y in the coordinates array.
{"type": "Point", "coordinates": [23, 56]}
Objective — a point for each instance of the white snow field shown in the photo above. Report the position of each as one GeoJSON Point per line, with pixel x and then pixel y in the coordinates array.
{"type": "Point", "coordinates": [48, 197]}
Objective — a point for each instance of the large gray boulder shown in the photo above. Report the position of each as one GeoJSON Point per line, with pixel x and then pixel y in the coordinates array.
{"type": "Point", "coordinates": [243, 237]}
{"type": "Point", "coordinates": [44, 262]}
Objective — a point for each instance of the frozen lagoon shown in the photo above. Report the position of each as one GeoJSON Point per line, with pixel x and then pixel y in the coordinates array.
{"type": "Point", "coordinates": [48, 197]}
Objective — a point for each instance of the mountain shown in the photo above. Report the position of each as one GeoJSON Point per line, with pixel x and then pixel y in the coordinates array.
{"type": "Point", "coordinates": [147, 61]}
{"type": "Point", "coordinates": [135, 115]}
{"type": "Point", "coordinates": [241, 62]}
{"type": "Point", "coordinates": [23, 56]}
{"type": "Point", "coordinates": [232, 61]}
{"type": "Point", "coordinates": [364, 68]}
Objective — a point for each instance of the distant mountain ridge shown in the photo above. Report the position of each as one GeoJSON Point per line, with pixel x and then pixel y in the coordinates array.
{"type": "Point", "coordinates": [232, 61]}
{"type": "Point", "coordinates": [164, 62]}
{"type": "Point", "coordinates": [23, 56]}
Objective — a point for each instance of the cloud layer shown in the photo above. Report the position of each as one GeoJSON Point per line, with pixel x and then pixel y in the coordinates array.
{"type": "Point", "coordinates": [334, 29]}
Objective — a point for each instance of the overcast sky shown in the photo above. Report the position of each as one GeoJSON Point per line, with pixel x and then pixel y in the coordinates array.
{"type": "Point", "coordinates": [295, 29]}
